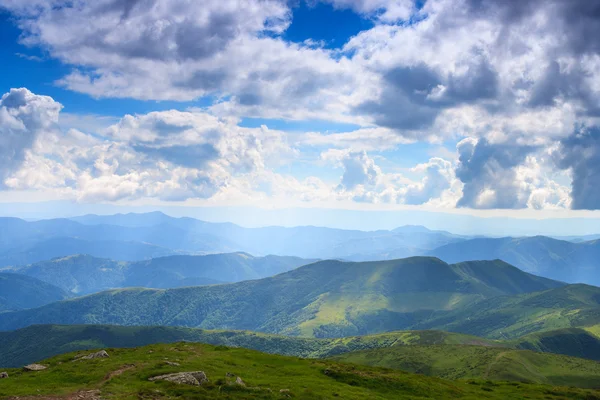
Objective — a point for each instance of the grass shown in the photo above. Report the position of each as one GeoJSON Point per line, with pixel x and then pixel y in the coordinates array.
{"type": "Point", "coordinates": [493, 363]}
{"type": "Point", "coordinates": [264, 374]}
{"type": "Point", "coordinates": [42, 341]}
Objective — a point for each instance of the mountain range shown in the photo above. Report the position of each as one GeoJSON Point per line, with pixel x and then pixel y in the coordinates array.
{"type": "Point", "coordinates": [324, 299]}
{"type": "Point", "coordinates": [136, 237]}
{"type": "Point", "coordinates": [84, 274]}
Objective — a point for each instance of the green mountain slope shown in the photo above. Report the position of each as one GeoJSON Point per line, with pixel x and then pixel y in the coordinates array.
{"type": "Point", "coordinates": [556, 259]}
{"type": "Point", "coordinates": [125, 375]}
{"type": "Point", "coordinates": [20, 292]}
{"type": "Point", "coordinates": [577, 342]}
{"type": "Point", "coordinates": [84, 274]}
{"type": "Point", "coordinates": [508, 317]}
{"type": "Point", "coordinates": [324, 299]}
{"type": "Point", "coordinates": [493, 363]}
{"type": "Point", "coordinates": [27, 345]}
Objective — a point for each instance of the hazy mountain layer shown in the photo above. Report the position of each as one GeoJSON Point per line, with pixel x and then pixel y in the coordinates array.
{"type": "Point", "coordinates": [83, 274]}
{"type": "Point", "coordinates": [540, 255]}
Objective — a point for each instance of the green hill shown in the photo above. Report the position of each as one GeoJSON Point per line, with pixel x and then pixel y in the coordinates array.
{"type": "Point", "coordinates": [509, 317]}
{"type": "Point", "coordinates": [479, 362]}
{"type": "Point", "coordinates": [576, 342]}
{"type": "Point", "coordinates": [36, 342]}
{"type": "Point", "coordinates": [84, 274]}
{"type": "Point", "coordinates": [324, 299]}
{"type": "Point", "coordinates": [20, 292]}
{"type": "Point", "coordinates": [125, 375]}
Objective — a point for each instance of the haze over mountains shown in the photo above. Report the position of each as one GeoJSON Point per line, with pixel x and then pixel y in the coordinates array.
{"type": "Point", "coordinates": [135, 237]}
{"type": "Point", "coordinates": [84, 274]}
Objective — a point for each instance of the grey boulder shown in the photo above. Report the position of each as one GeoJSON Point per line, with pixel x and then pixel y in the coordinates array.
{"type": "Point", "coordinates": [195, 378]}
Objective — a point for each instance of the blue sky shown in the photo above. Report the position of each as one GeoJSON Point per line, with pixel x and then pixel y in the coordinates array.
{"type": "Point", "coordinates": [322, 104]}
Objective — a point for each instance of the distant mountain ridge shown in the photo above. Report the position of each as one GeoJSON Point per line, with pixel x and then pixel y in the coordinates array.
{"type": "Point", "coordinates": [555, 259]}
{"type": "Point", "coordinates": [323, 299]}
{"type": "Point", "coordinates": [156, 234]}
{"type": "Point", "coordinates": [134, 237]}
{"type": "Point", "coordinates": [84, 274]}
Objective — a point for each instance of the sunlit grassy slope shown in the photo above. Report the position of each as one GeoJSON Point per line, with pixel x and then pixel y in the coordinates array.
{"type": "Point", "coordinates": [125, 376]}
{"type": "Point", "coordinates": [509, 317]}
{"type": "Point", "coordinates": [494, 363]}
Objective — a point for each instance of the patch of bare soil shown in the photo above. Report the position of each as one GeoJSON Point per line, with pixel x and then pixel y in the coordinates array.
{"type": "Point", "coordinates": [118, 372]}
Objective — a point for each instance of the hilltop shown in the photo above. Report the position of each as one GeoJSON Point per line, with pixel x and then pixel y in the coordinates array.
{"type": "Point", "coordinates": [323, 299]}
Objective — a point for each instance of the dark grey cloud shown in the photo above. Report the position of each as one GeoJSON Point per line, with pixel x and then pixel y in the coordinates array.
{"type": "Point", "coordinates": [486, 167]}
{"type": "Point", "coordinates": [565, 84]}
{"type": "Point", "coordinates": [576, 20]}
{"type": "Point", "coordinates": [408, 100]}
{"type": "Point", "coordinates": [580, 153]}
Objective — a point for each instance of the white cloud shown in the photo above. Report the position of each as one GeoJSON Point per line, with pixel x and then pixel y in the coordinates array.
{"type": "Point", "coordinates": [23, 117]}
{"type": "Point", "coordinates": [383, 10]}
{"type": "Point", "coordinates": [516, 76]}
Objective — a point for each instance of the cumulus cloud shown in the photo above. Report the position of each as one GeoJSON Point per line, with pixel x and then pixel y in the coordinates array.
{"type": "Point", "coordinates": [24, 116]}
{"type": "Point", "coordinates": [580, 153]}
{"type": "Point", "coordinates": [438, 178]}
{"type": "Point", "coordinates": [170, 155]}
{"type": "Point", "coordinates": [364, 181]}
{"type": "Point", "coordinates": [514, 76]}
{"type": "Point", "coordinates": [359, 169]}
{"type": "Point", "coordinates": [488, 172]}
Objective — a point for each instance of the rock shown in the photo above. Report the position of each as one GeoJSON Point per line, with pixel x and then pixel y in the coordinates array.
{"type": "Point", "coordinates": [34, 367]}
{"type": "Point", "coordinates": [229, 375]}
{"type": "Point", "coordinates": [98, 354]}
{"type": "Point", "coordinates": [239, 381]}
{"type": "Point", "coordinates": [195, 378]}
{"type": "Point", "coordinates": [284, 391]}
{"type": "Point", "coordinates": [3, 375]}
{"type": "Point", "coordinates": [173, 364]}
{"type": "Point", "coordinates": [327, 372]}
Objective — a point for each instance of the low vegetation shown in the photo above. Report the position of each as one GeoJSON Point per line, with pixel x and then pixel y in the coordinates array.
{"type": "Point", "coordinates": [126, 374]}
{"type": "Point", "coordinates": [480, 362]}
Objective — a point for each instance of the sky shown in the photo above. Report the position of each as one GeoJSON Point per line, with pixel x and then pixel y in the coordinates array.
{"type": "Point", "coordinates": [483, 108]}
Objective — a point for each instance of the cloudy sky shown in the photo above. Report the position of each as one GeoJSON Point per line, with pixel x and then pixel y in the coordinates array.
{"type": "Point", "coordinates": [489, 107]}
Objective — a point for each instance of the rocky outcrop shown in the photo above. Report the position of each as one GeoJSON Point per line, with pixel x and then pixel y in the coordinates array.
{"type": "Point", "coordinates": [195, 378]}
{"type": "Point", "coordinates": [172, 364]}
{"type": "Point", "coordinates": [98, 354]}
{"type": "Point", "coordinates": [239, 381]}
{"type": "Point", "coordinates": [34, 367]}
{"type": "Point", "coordinates": [3, 375]}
